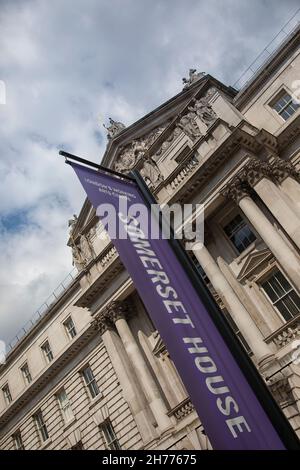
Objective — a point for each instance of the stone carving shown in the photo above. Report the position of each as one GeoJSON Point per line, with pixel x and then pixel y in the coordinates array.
{"type": "Point", "coordinates": [82, 252]}
{"type": "Point", "coordinates": [288, 334]}
{"type": "Point", "coordinates": [281, 169]}
{"type": "Point", "coordinates": [254, 171]}
{"type": "Point", "coordinates": [130, 155]}
{"type": "Point", "coordinates": [193, 77]}
{"type": "Point", "coordinates": [115, 310]}
{"type": "Point", "coordinates": [150, 172]}
{"type": "Point", "coordinates": [126, 160]}
{"type": "Point", "coordinates": [77, 258]}
{"type": "Point", "coordinates": [72, 222]}
{"type": "Point", "coordinates": [189, 125]}
{"type": "Point", "coordinates": [86, 247]}
{"type": "Point", "coordinates": [166, 144]}
{"type": "Point", "coordinates": [114, 128]}
{"type": "Point", "coordinates": [203, 108]}
{"type": "Point", "coordinates": [236, 190]}
{"type": "Point", "coordinates": [102, 323]}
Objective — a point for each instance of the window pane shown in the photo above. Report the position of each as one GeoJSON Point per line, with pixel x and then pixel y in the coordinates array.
{"type": "Point", "coordinates": [284, 310]}
{"type": "Point", "coordinates": [267, 286]}
{"type": "Point", "coordinates": [239, 233]}
{"type": "Point", "coordinates": [285, 106]}
{"type": "Point", "coordinates": [282, 295]}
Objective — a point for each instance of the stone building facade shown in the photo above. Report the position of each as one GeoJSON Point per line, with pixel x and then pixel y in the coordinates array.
{"type": "Point", "coordinates": [93, 373]}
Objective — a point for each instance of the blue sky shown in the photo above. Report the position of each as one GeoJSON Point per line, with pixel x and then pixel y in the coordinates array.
{"type": "Point", "coordinates": [70, 64]}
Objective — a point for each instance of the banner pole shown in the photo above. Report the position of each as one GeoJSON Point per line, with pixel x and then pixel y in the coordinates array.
{"type": "Point", "coordinates": [272, 409]}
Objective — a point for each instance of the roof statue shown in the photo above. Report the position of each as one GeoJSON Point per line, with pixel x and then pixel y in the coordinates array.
{"type": "Point", "coordinates": [114, 128]}
{"type": "Point", "coordinates": [194, 76]}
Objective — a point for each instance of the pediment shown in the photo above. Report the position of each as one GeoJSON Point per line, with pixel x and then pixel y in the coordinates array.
{"type": "Point", "coordinates": [252, 263]}
{"type": "Point", "coordinates": [160, 118]}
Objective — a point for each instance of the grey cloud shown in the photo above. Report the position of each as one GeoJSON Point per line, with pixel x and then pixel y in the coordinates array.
{"type": "Point", "coordinates": [69, 65]}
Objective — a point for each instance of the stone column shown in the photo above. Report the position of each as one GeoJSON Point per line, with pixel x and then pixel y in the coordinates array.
{"type": "Point", "coordinates": [117, 312]}
{"type": "Point", "coordinates": [239, 313]}
{"type": "Point", "coordinates": [131, 390]}
{"type": "Point", "coordinates": [257, 174]}
{"type": "Point", "coordinates": [282, 252]}
{"type": "Point", "coordinates": [288, 179]}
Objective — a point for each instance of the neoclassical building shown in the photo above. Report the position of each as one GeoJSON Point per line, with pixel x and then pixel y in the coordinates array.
{"type": "Point", "coordinates": [93, 372]}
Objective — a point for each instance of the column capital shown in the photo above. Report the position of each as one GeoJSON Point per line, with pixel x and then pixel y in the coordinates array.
{"type": "Point", "coordinates": [236, 190]}
{"type": "Point", "coordinates": [116, 309]}
{"type": "Point", "coordinates": [254, 171]}
{"type": "Point", "coordinates": [102, 323]}
{"type": "Point", "coordinates": [281, 169]}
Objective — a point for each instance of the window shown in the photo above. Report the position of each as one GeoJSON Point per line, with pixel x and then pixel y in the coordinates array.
{"type": "Point", "coordinates": [7, 394]}
{"type": "Point", "coordinates": [90, 382]}
{"type": "Point", "coordinates": [65, 406]}
{"type": "Point", "coordinates": [237, 331]}
{"type": "Point", "coordinates": [18, 442]}
{"type": "Point", "coordinates": [70, 328]}
{"type": "Point", "coordinates": [47, 351]}
{"type": "Point", "coordinates": [110, 437]}
{"type": "Point", "coordinates": [41, 426]}
{"type": "Point", "coordinates": [239, 233]}
{"type": "Point", "coordinates": [26, 374]}
{"type": "Point", "coordinates": [282, 295]}
{"type": "Point", "coordinates": [284, 105]}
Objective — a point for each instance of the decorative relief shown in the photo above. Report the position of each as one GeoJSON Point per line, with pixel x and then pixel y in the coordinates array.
{"type": "Point", "coordinates": [132, 153]}
{"type": "Point", "coordinates": [193, 77]}
{"type": "Point", "coordinates": [169, 140]}
{"type": "Point", "coordinates": [189, 126]}
{"type": "Point", "coordinates": [114, 128]}
{"type": "Point", "coordinates": [254, 171]}
{"type": "Point", "coordinates": [82, 252]}
{"type": "Point", "coordinates": [182, 410]}
{"type": "Point", "coordinates": [236, 190]}
{"type": "Point", "coordinates": [281, 169]}
{"type": "Point", "coordinates": [151, 173]}
{"type": "Point", "coordinates": [290, 333]}
{"type": "Point", "coordinates": [203, 108]}
{"type": "Point", "coordinates": [106, 319]}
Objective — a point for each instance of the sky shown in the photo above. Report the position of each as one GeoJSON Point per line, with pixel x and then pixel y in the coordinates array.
{"type": "Point", "coordinates": [69, 65]}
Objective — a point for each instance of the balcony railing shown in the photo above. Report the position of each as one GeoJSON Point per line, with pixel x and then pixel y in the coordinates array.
{"type": "Point", "coordinates": [43, 309]}
{"type": "Point", "coordinates": [268, 52]}
{"type": "Point", "coordinates": [287, 333]}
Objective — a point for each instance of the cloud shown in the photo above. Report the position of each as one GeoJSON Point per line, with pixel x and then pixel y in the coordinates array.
{"type": "Point", "coordinates": [67, 66]}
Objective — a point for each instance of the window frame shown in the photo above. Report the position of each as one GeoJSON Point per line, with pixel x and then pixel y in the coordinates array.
{"type": "Point", "coordinates": [230, 215]}
{"type": "Point", "coordinates": [7, 396]}
{"type": "Point", "coordinates": [267, 275]}
{"type": "Point", "coordinates": [110, 444]}
{"type": "Point", "coordinates": [18, 441]}
{"type": "Point", "coordinates": [277, 97]}
{"type": "Point", "coordinates": [46, 355]}
{"type": "Point", "coordinates": [41, 426]}
{"type": "Point", "coordinates": [24, 375]}
{"type": "Point", "coordinates": [89, 384]}
{"type": "Point", "coordinates": [63, 408]}
{"type": "Point", "coordinates": [67, 330]}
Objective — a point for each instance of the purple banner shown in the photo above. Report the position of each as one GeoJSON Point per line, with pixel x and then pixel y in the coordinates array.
{"type": "Point", "coordinates": [229, 410]}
